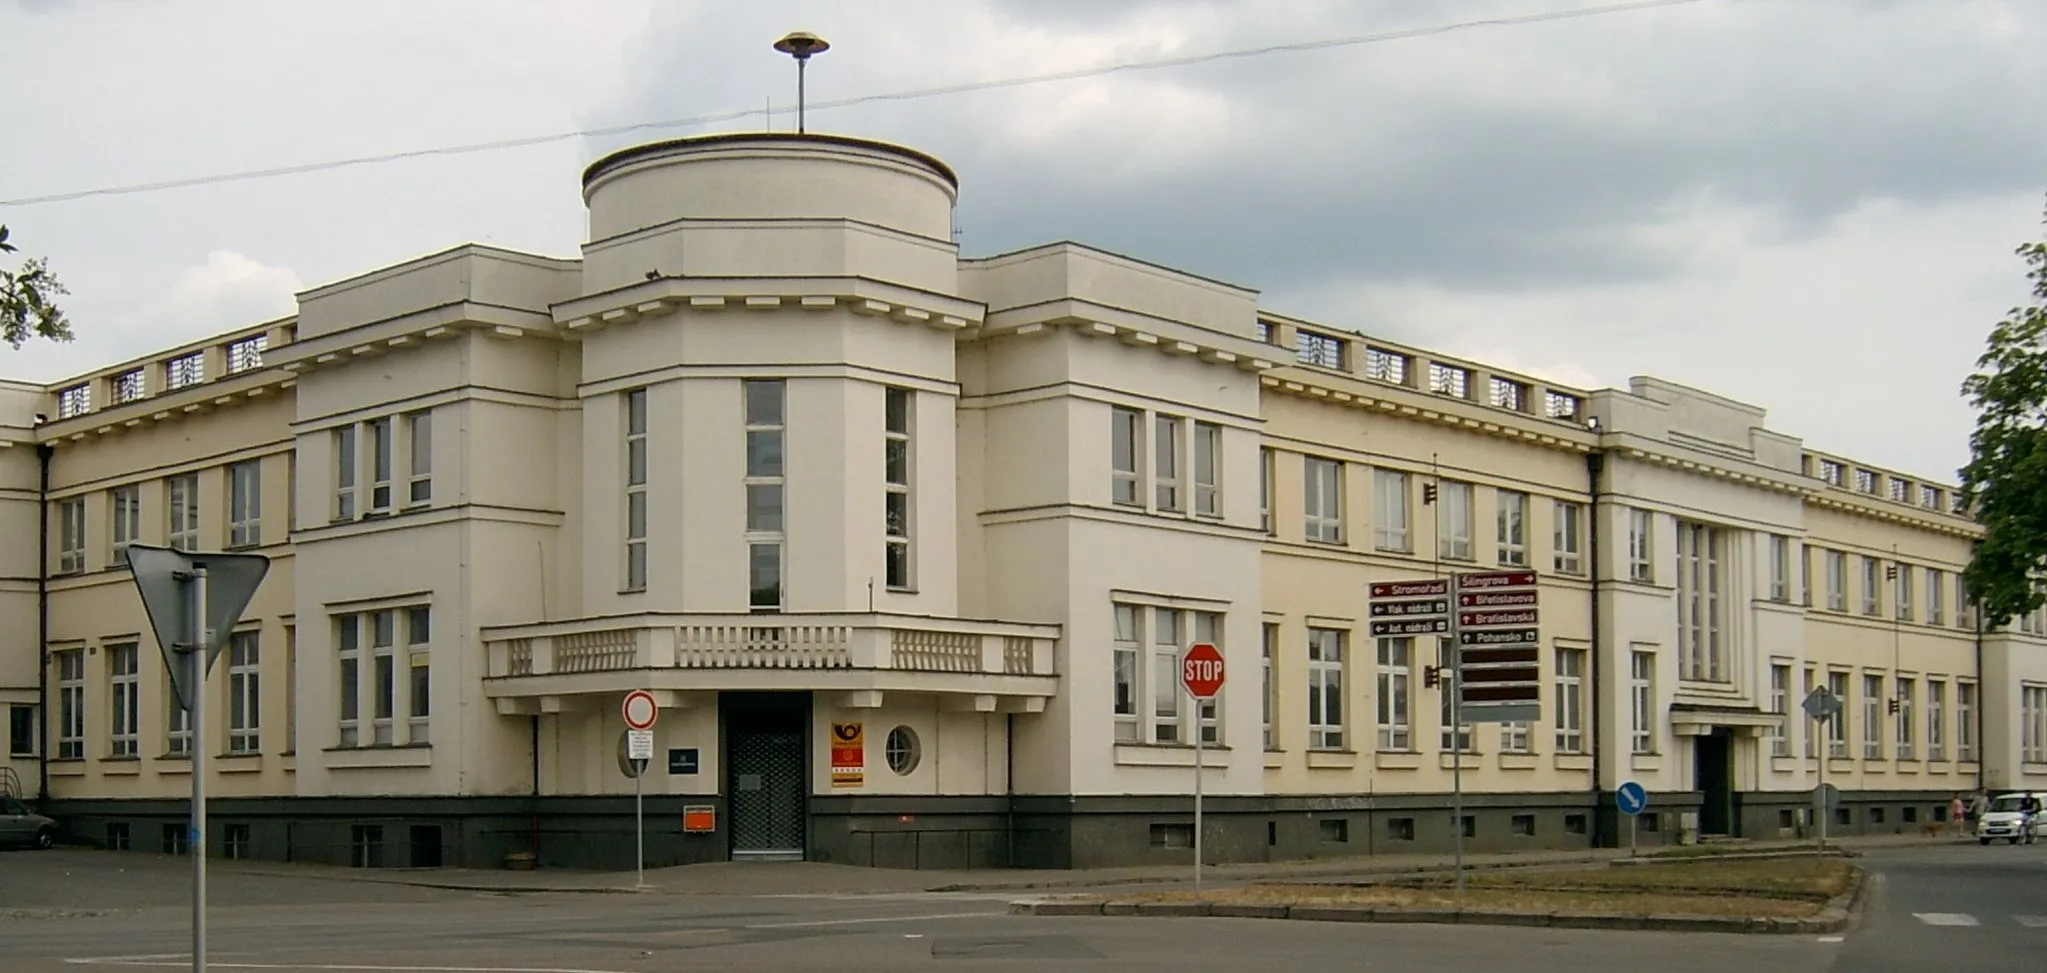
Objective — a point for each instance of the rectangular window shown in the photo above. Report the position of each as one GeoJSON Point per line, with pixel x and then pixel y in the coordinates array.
{"type": "Point", "coordinates": [177, 724]}
{"type": "Point", "coordinates": [235, 841]}
{"type": "Point", "coordinates": [71, 535]}
{"type": "Point", "coordinates": [419, 669]}
{"type": "Point", "coordinates": [1906, 737]}
{"type": "Point", "coordinates": [1166, 474]}
{"type": "Point", "coordinates": [1208, 447]}
{"type": "Point", "coordinates": [1701, 651]}
{"type": "Point", "coordinates": [187, 370]}
{"type": "Point", "coordinates": [1641, 701]}
{"type": "Point", "coordinates": [1208, 628]}
{"type": "Point", "coordinates": [1872, 717]}
{"type": "Point", "coordinates": [1322, 498]}
{"type": "Point", "coordinates": [1780, 568]}
{"type": "Point", "coordinates": [1965, 610]}
{"type": "Point", "coordinates": [348, 657]}
{"type": "Point", "coordinates": [1837, 581]}
{"type": "Point", "coordinates": [244, 693]}
{"type": "Point", "coordinates": [419, 437]}
{"type": "Point", "coordinates": [635, 567]}
{"type": "Point", "coordinates": [1126, 657]}
{"type": "Point", "coordinates": [1805, 575]}
{"type": "Point", "coordinates": [1965, 722]}
{"type": "Point", "coordinates": [1269, 652]}
{"type": "Point", "coordinates": [74, 401]}
{"type": "Point", "coordinates": [1396, 693]}
{"type": "Point", "coordinates": [133, 385]}
{"type": "Point", "coordinates": [21, 731]}
{"type": "Point", "coordinates": [1936, 714]}
{"type": "Point", "coordinates": [1514, 737]}
{"type": "Point", "coordinates": [1165, 676]}
{"type": "Point", "coordinates": [70, 704]}
{"type": "Point", "coordinates": [896, 515]}
{"type": "Point", "coordinates": [183, 492]}
{"type": "Point", "coordinates": [1936, 596]}
{"type": "Point", "coordinates": [383, 676]}
{"type": "Point", "coordinates": [344, 473]}
{"type": "Point", "coordinates": [1512, 522]}
{"type": "Point", "coordinates": [245, 504]}
{"type": "Point", "coordinates": [1325, 688]}
{"type": "Point", "coordinates": [1871, 591]}
{"type": "Point", "coordinates": [1390, 499]}
{"type": "Point", "coordinates": [247, 353]}
{"type": "Point", "coordinates": [1780, 704]}
{"type": "Point", "coordinates": [766, 418]}
{"type": "Point", "coordinates": [380, 465]}
{"type": "Point", "coordinates": [1570, 701]}
{"type": "Point", "coordinates": [122, 676]}
{"type": "Point", "coordinates": [1447, 698]}
{"type": "Point", "coordinates": [1453, 520]}
{"type": "Point", "coordinates": [1567, 538]}
{"type": "Point", "coordinates": [1837, 728]}
{"type": "Point", "coordinates": [1126, 446]}
{"type": "Point", "coordinates": [1641, 536]}
{"type": "Point", "coordinates": [125, 510]}
{"type": "Point", "coordinates": [1325, 351]}
{"type": "Point", "coordinates": [1265, 472]}
{"type": "Point", "coordinates": [2033, 724]}
{"type": "Point", "coordinates": [1901, 593]}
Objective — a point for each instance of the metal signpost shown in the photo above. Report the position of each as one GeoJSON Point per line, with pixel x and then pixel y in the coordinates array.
{"type": "Point", "coordinates": [640, 712]}
{"type": "Point", "coordinates": [1632, 799]}
{"type": "Point", "coordinates": [1201, 672]}
{"type": "Point", "coordinates": [1822, 707]}
{"type": "Point", "coordinates": [193, 601]}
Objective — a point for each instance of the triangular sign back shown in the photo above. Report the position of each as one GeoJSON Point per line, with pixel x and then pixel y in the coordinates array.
{"type": "Point", "coordinates": [164, 578]}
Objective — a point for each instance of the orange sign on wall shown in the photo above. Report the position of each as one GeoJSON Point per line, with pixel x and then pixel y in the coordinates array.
{"type": "Point", "coordinates": [849, 754]}
{"type": "Point", "coordinates": [699, 818]}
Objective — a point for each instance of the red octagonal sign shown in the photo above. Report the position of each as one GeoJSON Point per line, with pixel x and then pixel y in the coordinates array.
{"type": "Point", "coordinates": [1201, 670]}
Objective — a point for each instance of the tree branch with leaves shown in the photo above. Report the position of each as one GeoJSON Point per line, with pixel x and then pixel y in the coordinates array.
{"type": "Point", "coordinates": [2005, 484]}
{"type": "Point", "coordinates": [28, 307]}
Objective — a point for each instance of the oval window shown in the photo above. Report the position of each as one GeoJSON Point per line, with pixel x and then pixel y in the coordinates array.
{"type": "Point", "coordinates": [903, 751]}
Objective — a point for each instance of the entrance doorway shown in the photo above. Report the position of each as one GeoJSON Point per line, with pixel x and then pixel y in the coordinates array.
{"type": "Point", "coordinates": [767, 780]}
{"type": "Point", "coordinates": [1713, 770]}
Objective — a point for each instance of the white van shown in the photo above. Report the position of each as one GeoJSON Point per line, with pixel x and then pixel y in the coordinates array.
{"type": "Point", "coordinates": [2001, 820]}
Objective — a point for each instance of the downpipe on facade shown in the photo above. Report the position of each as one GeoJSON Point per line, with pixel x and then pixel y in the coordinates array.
{"type": "Point", "coordinates": [44, 454]}
{"type": "Point", "coordinates": [1595, 464]}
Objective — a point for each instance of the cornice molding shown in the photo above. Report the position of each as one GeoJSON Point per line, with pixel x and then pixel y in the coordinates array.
{"type": "Point", "coordinates": [1429, 408]}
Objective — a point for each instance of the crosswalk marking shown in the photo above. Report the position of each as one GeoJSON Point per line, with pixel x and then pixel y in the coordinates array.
{"type": "Point", "coordinates": [2031, 922]}
{"type": "Point", "coordinates": [1945, 918]}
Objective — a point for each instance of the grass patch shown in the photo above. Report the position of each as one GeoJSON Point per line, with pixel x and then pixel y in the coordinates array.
{"type": "Point", "coordinates": [1780, 887]}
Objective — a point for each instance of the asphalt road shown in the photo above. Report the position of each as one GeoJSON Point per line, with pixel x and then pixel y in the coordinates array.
{"type": "Point", "coordinates": [114, 913]}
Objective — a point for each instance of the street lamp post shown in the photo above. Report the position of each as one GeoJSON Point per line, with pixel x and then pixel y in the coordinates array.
{"type": "Point", "coordinates": [801, 45]}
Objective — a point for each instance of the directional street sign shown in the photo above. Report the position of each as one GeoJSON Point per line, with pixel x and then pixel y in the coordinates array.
{"type": "Point", "coordinates": [1404, 607]}
{"type": "Point", "coordinates": [1514, 617]}
{"type": "Point", "coordinates": [1500, 636]}
{"type": "Point", "coordinates": [1495, 599]}
{"type": "Point", "coordinates": [1410, 589]}
{"type": "Point", "coordinates": [1410, 626]}
{"type": "Point", "coordinates": [1632, 798]}
{"type": "Point", "coordinates": [165, 578]}
{"type": "Point", "coordinates": [1498, 654]}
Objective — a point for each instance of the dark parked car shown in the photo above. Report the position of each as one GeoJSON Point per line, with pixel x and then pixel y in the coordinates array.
{"type": "Point", "coordinates": [21, 826]}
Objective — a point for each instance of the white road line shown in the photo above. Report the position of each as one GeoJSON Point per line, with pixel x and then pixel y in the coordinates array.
{"type": "Point", "coordinates": [858, 922]}
{"type": "Point", "coordinates": [1832, 939]}
{"type": "Point", "coordinates": [2031, 922]}
{"type": "Point", "coordinates": [187, 962]}
{"type": "Point", "coordinates": [1945, 919]}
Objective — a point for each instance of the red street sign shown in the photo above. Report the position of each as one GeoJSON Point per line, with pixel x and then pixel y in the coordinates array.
{"type": "Point", "coordinates": [1201, 671]}
{"type": "Point", "coordinates": [1495, 599]}
{"type": "Point", "coordinates": [1526, 616]}
{"type": "Point", "coordinates": [1411, 589]}
{"type": "Point", "coordinates": [1495, 579]}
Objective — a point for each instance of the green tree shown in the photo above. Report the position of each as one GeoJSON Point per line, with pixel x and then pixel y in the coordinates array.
{"type": "Point", "coordinates": [2005, 484]}
{"type": "Point", "coordinates": [27, 306]}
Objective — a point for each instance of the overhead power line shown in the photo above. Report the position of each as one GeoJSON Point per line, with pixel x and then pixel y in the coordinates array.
{"type": "Point", "coordinates": [952, 89]}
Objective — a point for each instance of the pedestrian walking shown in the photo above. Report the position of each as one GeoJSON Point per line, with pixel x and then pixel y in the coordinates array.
{"type": "Point", "coordinates": [1957, 814]}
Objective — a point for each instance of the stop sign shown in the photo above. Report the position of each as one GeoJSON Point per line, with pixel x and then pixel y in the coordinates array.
{"type": "Point", "coordinates": [1201, 671]}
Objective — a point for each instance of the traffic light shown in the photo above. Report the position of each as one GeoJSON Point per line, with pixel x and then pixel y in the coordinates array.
{"type": "Point", "coordinates": [1891, 705]}
{"type": "Point", "coordinates": [1428, 493]}
{"type": "Point", "coordinates": [1431, 677]}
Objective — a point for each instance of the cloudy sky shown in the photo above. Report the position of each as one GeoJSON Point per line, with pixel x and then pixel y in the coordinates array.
{"type": "Point", "coordinates": [1806, 204]}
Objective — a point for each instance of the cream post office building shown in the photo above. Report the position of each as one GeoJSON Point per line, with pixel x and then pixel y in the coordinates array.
{"type": "Point", "coordinates": [906, 545]}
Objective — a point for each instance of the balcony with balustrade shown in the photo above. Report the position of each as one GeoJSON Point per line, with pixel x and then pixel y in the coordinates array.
{"type": "Point", "coordinates": [566, 666]}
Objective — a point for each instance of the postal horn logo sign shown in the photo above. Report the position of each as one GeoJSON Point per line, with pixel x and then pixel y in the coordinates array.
{"type": "Point", "coordinates": [848, 734]}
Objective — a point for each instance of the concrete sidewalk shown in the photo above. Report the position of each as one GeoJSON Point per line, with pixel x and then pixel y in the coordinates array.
{"type": "Point", "coordinates": [816, 878]}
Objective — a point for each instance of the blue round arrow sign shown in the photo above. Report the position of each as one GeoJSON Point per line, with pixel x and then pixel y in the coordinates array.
{"type": "Point", "coordinates": [1631, 798]}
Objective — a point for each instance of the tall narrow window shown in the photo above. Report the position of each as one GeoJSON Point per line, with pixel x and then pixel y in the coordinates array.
{"type": "Point", "coordinates": [419, 438]}
{"type": "Point", "coordinates": [2033, 724]}
{"type": "Point", "coordinates": [635, 567]}
{"type": "Point", "coordinates": [177, 724]}
{"type": "Point", "coordinates": [70, 704]}
{"type": "Point", "coordinates": [1269, 652]}
{"type": "Point", "coordinates": [71, 535]}
{"type": "Point", "coordinates": [245, 504]}
{"type": "Point", "coordinates": [23, 734]}
{"type": "Point", "coordinates": [1265, 473]}
{"type": "Point", "coordinates": [244, 693]}
{"type": "Point", "coordinates": [1965, 610]}
{"type": "Point", "coordinates": [1872, 717]}
{"type": "Point", "coordinates": [1805, 575]}
{"type": "Point", "coordinates": [1837, 581]}
{"type": "Point", "coordinates": [122, 675]}
{"type": "Point", "coordinates": [1568, 533]}
{"type": "Point", "coordinates": [765, 418]}
{"type": "Point", "coordinates": [1965, 722]}
{"type": "Point", "coordinates": [1322, 498]}
{"type": "Point", "coordinates": [344, 472]}
{"type": "Point", "coordinates": [1641, 544]}
{"type": "Point", "coordinates": [1126, 435]}
{"type": "Point", "coordinates": [1165, 472]}
{"type": "Point", "coordinates": [380, 464]}
{"type": "Point", "coordinates": [1837, 728]}
{"type": "Point", "coordinates": [1780, 568]}
{"type": "Point", "coordinates": [1907, 742]}
{"type": "Point", "coordinates": [1872, 591]}
{"type": "Point", "coordinates": [1512, 532]}
{"type": "Point", "coordinates": [125, 510]}
{"type": "Point", "coordinates": [1325, 688]}
{"type": "Point", "coordinates": [348, 681]}
{"type": "Point", "coordinates": [1125, 660]}
{"type": "Point", "coordinates": [1901, 593]}
{"type": "Point", "coordinates": [896, 487]}
{"type": "Point", "coordinates": [1641, 701]}
{"type": "Point", "coordinates": [1208, 448]}
{"type": "Point", "coordinates": [1390, 500]}
{"type": "Point", "coordinates": [1936, 715]}
{"type": "Point", "coordinates": [1570, 702]}
{"type": "Point", "coordinates": [1812, 744]}
{"type": "Point", "coordinates": [1780, 704]}
{"type": "Point", "coordinates": [1699, 584]}
{"type": "Point", "coordinates": [291, 689]}
{"type": "Point", "coordinates": [1165, 676]}
{"type": "Point", "coordinates": [1396, 693]}
{"type": "Point", "coordinates": [184, 511]}
{"type": "Point", "coordinates": [1453, 526]}
{"type": "Point", "coordinates": [419, 671]}
{"type": "Point", "coordinates": [383, 675]}
{"type": "Point", "coordinates": [1936, 596]}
